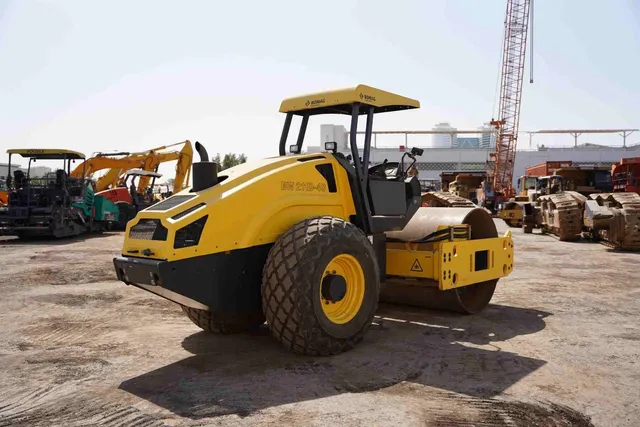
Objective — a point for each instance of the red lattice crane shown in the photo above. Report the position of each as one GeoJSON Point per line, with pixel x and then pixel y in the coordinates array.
{"type": "Point", "coordinates": [501, 164]}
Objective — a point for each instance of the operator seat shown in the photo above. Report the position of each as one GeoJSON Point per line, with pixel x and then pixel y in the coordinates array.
{"type": "Point", "coordinates": [60, 178]}
{"type": "Point", "coordinates": [19, 178]}
{"type": "Point", "coordinates": [390, 195]}
{"type": "Point", "coordinates": [135, 199]}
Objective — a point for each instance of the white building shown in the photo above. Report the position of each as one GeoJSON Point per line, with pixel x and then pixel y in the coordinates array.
{"type": "Point", "coordinates": [36, 171]}
{"type": "Point", "coordinates": [434, 161]}
{"type": "Point", "coordinates": [443, 140]}
{"type": "Point", "coordinates": [487, 136]}
{"type": "Point", "coordinates": [4, 168]}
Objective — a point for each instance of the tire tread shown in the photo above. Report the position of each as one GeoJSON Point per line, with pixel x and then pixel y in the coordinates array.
{"type": "Point", "coordinates": [286, 296]}
{"type": "Point", "coordinates": [222, 323]}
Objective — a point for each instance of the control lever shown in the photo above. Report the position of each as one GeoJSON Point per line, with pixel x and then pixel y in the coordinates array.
{"type": "Point", "coordinates": [415, 151]}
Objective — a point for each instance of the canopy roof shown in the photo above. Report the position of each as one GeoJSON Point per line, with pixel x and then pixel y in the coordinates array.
{"type": "Point", "coordinates": [142, 172]}
{"type": "Point", "coordinates": [46, 153]}
{"type": "Point", "coordinates": [339, 101]}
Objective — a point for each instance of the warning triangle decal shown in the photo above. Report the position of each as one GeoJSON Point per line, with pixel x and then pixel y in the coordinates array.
{"type": "Point", "coordinates": [416, 266]}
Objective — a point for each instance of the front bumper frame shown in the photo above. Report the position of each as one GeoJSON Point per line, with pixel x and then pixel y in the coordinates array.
{"type": "Point", "coordinates": [224, 282]}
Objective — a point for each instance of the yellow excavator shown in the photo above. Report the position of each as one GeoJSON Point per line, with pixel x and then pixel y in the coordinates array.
{"type": "Point", "coordinates": [113, 186]}
{"type": "Point", "coordinates": [148, 160]}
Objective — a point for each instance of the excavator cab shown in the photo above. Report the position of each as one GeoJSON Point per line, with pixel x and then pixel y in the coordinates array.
{"type": "Point", "coordinates": [550, 184]}
{"type": "Point", "coordinates": [145, 199]}
{"type": "Point", "coordinates": [127, 197]}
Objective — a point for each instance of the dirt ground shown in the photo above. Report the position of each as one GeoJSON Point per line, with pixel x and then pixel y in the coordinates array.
{"type": "Point", "coordinates": [558, 346]}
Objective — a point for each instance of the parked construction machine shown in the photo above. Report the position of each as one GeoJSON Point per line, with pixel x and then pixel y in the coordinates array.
{"type": "Point", "coordinates": [625, 175]}
{"type": "Point", "coordinates": [127, 196]}
{"type": "Point", "coordinates": [124, 167]}
{"type": "Point", "coordinates": [539, 180]}
{"type": "Point", "coordinates": [577, 202]}
{"type": "Point", "coordinates": [55, 205]}
{"type": "Point", "coordinates": [4, 194]}
{"type": "Point", "coordinates": [466, 186]}
{"type": "Point", "coordinates": [618, 210]}
{"type": "Point", "coordinates": [312, 242]}
{"type": "Point", "coordinates": [117, 164]}
{"type": "Point", "coordinates": [514, 211]}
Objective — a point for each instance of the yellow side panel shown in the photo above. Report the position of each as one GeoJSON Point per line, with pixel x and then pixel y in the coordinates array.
{"type": "Point", "coordinates": [453, 264]}
{"type": "Point", "coordinates": [458, 261]}
{"type": "Point", "coordinates": [252, 206]}
{"type": "Point", "coordinates": [411, 263]}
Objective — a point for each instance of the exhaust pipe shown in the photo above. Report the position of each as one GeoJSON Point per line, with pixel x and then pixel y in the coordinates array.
{"type": "Point", "coordinates": [205, 172]}
{"type": "Point", "coordinates": [204, 156]}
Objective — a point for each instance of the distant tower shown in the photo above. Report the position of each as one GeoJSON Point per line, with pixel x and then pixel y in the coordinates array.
{"type": "Point", "coordinates": [487, 136]}
{"type": "Point", "coordinates": [442, 140]}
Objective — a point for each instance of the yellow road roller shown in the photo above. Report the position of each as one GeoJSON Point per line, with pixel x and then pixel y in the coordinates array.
{"type": "Point", "coordinates": [310, 243]}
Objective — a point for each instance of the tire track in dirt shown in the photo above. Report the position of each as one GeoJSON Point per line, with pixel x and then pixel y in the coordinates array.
{"type": "Point", "coordinates": [458, 410]}
{"type": "Point", "coordinates": [77, 300]}
{"type": "Point", "coordinates": [497, 413]}
{"type": "Point", "coordinates": [48, 406]}
{"type": "Point", "coordinates": [60, 331]}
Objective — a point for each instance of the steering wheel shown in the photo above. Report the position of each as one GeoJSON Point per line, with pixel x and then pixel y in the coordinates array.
{"type": "Point", "coordinates": [386, 169]}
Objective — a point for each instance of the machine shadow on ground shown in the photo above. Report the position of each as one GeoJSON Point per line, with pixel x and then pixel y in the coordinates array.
{"type": "Point", "coordinates": [246, 373]}
{"type": "Point", "coordinates": [50, 241]}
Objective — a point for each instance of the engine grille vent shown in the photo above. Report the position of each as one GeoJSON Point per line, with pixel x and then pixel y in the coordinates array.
{"type": "Point", "coordinates": [148, 229]}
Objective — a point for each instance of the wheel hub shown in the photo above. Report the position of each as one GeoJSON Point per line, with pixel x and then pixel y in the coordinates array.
{"type": "Point", "coordinates": [334, 287]}
{"type": "Point", "coordinates": [342, 289]}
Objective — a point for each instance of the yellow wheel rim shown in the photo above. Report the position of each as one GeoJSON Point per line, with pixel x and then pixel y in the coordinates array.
{"type": "Point", "coordinates": [342, 289]}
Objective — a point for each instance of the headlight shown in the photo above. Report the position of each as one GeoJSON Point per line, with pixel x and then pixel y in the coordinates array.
{"type": "Point", "coordinates": [189, 235]}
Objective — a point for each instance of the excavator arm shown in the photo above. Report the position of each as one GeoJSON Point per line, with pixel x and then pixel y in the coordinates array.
{"type": "Point", "coordinates": [183, 166]}
{"type": "Point", "coordinates": [184, 159]}
{"type": "Point", "coordinates": [148, 160]}
{"type": "Point", "coordinates": [116, 168]}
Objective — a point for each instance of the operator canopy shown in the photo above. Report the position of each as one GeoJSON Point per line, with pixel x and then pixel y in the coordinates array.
{"type": "Point", "coordinates": [142, 172]}
{"type": "Point", "coordinates": [340, 101]}
{"type": "Point", "coordinates": [46, 153]}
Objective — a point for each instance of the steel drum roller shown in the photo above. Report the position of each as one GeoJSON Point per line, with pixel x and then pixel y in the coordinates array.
{"type": "Point", "coordinates": [424, 292]}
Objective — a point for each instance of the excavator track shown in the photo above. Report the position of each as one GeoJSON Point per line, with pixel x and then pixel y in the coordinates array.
{"type": "Point", "coordinates": [445, 199]}
{"type": "Point", "coordinates": [624, 228]}
{"type": "Point", "coordinates": [562, 215]}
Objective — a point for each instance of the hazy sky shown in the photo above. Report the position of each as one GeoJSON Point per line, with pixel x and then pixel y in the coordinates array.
{"type": "Point", "coordinates": [132, 75]}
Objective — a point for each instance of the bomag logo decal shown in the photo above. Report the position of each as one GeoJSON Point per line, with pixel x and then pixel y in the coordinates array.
{"type": "Point", "coordinates": [366, 97]}
{"type": "Point", "coordinates": [315, 102]}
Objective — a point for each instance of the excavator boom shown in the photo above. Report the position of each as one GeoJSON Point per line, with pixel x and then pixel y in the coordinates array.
{"type": "Point", "coordinates": [147, 160]}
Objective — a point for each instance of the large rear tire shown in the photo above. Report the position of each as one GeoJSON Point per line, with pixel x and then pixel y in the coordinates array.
{"type": "Point", "coordinates": [223, 323]}
{"type": "Point", "coordinates": [320, 286]}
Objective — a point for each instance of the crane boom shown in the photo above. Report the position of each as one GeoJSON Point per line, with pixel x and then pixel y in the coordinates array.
{"type": "Point", "coordinates": [512, 72]}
